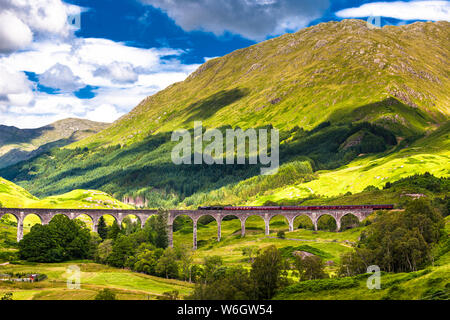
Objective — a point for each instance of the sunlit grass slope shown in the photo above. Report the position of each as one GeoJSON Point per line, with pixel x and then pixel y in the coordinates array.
{"type": "Point", "coordinates": [94, 277]}
{"type": "Point", "coordinates": [424, 284]}
{"type": "Point", "coordinates": [13, 196]}
{"type": "Point", "coordinates": [430, 154]}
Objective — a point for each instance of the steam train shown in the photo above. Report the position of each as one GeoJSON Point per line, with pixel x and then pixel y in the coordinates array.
{"type": "Point", "coordinates": [269, 208]}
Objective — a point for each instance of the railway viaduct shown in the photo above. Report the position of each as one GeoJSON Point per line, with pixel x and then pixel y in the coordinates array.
{"type": "Point", "coordinates": [46, 215]}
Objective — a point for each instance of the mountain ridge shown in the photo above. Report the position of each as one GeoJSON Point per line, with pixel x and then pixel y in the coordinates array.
{"type": "Point", "coordinates": [304, 78]}
{"type": "Point", "coordinates": [21, 144]}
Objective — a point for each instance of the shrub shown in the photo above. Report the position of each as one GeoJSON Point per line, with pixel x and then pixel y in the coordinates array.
{"type": "Point", "coordinates": [61, 240]}
{"type": "Point", "coordinates": [321, 285]}
{"type": "Point", "coordinates": [105, 294]}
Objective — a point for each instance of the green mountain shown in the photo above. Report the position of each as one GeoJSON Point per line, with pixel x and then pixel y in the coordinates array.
{"type": "Point", "coordinates": [356, 106]}
{"type": "Point", "coordinates": [395, 76]}
{"type": "Point", "coordinates": [22, 144]}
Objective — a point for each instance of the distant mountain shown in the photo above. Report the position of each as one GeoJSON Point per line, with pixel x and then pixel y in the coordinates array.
{"type": "Point", "coordinates": [21, 144]}
{"type": "Point", "coordinates": [396, 76]}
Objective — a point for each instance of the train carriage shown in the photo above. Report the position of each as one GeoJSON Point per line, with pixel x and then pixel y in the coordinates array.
{"type": "Point", "coordinates": [294, 208]}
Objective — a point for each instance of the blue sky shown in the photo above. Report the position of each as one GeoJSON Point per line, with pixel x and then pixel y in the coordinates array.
{"type": "Point", "coordinates": [114, 53]}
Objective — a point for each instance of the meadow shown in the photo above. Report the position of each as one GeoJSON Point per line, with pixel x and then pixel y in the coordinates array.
{"type": "Point", "coordinates": [125, 284]}
{"type": "Point", "coordinates": [422, 284]}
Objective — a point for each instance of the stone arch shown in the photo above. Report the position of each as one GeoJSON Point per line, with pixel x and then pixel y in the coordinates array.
{"type": "Point", "coordinates": [303, 221]}
{"type": "Point", "coordinates": [11, 214]}
{"type": "Point", "coordinates": [51, 217]}
{"type": "Point", "coordinates": [251, 222]}
{"type": "Point", "coordinates": [27, 224]}
{"type": "Point", "coordinates": [5, 218]}
{"type": "Point", "coordinates": [233, 222]}
{"type": "Point", "coordinates": [279, 224]}
{"type": "Point", "coordinates": [349, 220]}
{"type": "Point", "coordinates": [77, 215]}
{"type": "Point", "coordinates": [135, 221]}
{"type": "Point", "coordinates": [109, 218]}
{"type": "Point", "coordinates": [180, 216]}
{"type": "Point", "coordinates": [327, 221]}
{"type": "Point", "coordinates": [183, 227]}
{"type": "Point", "coordinates": [205, 221]}
{"type": "Point", "coordinates": [145, 218]}
{"type": "Point", "coordinates": [87, 219]}
{"type": "Point", "coordinates": [41, 218]}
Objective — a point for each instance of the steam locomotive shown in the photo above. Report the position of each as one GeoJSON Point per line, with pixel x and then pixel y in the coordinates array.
{"type": "Point", "coordinates": [269, 208]}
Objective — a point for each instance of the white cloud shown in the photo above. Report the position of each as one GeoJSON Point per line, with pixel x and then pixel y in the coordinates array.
{"type": "Point", "coordinates": [15, 88]}
{"type": "Point", "coordinates": [413, 10]}
{"type": "Point", "coordinates": [35, 37]}
{"type": "Point", "coordinates": [60, 77]}
{"type": "Point", "coordinates": [21, 21]}
{"type": "Point", "coordinates": [118, 72]}
{"type": "Point", "coordinates": [68, 66]}
{"type": "Point", "coordinates": [104, 113]}
{"type": "Point", "coordinates": [14, 34]}
{"type": "Point", "coordinates": [253, 19]}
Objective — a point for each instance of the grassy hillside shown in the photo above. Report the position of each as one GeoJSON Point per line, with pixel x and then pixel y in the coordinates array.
{"type": "Point", "coordinates": [94, 277]}
{"type": "Point", "coordinates": [427, 284]}
{"type": "Point", "coordinates": [429, 154]}
{"type": "Point", "coordinates": [21, 144]}
{"type": "Point", "coordinates": [13, 196]}
{"type": "Point", "coordinates": [310, 166]}
{"type": "Point", "coordinates": [332, 71]}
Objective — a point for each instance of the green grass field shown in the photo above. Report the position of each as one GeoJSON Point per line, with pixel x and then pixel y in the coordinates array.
{"type": "Point", "coordinates": [231, 244]}
{"type": "Point", "coordinates": [94, 277]}
{"type": "Point", "coordinates": [401, 286]}
{"type": "Point", "coordinates": [14, 196]}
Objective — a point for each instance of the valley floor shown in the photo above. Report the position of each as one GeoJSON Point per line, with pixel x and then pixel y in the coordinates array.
{"type": "Point", "coordinates": [126, 285]}
{"type": "Point", "coordinates": [422, 284]}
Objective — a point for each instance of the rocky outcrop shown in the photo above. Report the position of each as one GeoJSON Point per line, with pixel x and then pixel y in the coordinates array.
{"type": "Point", "coordinates": [137, 201]}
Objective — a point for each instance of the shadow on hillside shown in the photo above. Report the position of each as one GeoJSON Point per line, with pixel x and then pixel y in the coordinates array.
{"type": "Point", "coordinates": [16, 156]}
{"type": "Point", "coordinates": [206, 108]}
{"type": "Point", "coordinates": [13, 135]}
{"type": "Point", "coordinates": [391, 113]}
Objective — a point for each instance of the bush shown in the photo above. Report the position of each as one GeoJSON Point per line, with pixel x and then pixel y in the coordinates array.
{"type": "Point", "coordinates": [310, 268]}
{"type": "Point", "coordinates": [397, 242]}
{"type": "Point", "coordinates": [61, 240]}
{"type": "Point", "coordinates": [288, 250]}
{"type": "Point", "coordinates": [7, 296]}
{"type": "Point", "coordinates": [321, 285]}
{"type": "Point", "coordinates": [9, 256]}
{"type": "Point", "coordinates": [105, 294]}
